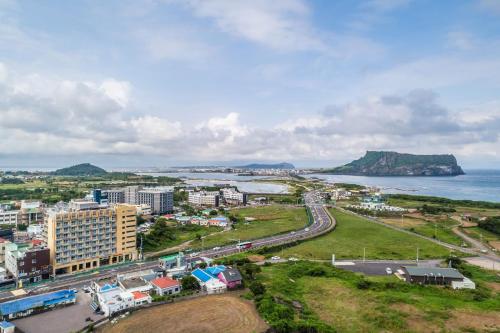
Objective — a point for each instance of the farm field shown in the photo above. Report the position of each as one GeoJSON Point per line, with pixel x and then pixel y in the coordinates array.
{"type": "Point", "coordinates": [437, 227]}
{"type": "Point", "coordinates": [354, 233]}
{"type": "Point", "coordinates": [269, 220]}
{"type": "Point", "coordinates": [210, 314]}
{"type": "Point", "coordinates": [348, 302]}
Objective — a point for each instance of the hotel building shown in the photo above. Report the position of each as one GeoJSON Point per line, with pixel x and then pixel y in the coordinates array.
{"type": "Point", "coordinates": [84, 235]}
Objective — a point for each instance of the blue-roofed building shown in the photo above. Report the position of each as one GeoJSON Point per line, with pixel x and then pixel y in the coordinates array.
{"type": "Point", "coordinates": [215, 270]}
{"type": "Point", "coordinates": [201, 275]}
{"type": "Point", "coordinates": [209, 283]}
{"type": "Point", "coordinates": [27, 305]}
{"type": "Point", "coordinates": [7, 327]}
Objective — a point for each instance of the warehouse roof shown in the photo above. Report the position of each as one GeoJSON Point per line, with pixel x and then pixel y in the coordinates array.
{"type": "Point", "coordinates": [30, 302]}
{"type": "Point", "coordinates": [433, 271]}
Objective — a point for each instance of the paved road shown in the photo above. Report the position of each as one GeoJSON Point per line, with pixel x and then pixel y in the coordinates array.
{"type": "Point", "coordinates": [322, 223]}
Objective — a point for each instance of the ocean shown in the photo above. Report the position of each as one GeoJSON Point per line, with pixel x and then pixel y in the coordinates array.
{"type": "Point", "coordinates": [483, 185]}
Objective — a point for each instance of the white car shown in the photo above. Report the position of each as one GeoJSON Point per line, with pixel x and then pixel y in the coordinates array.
{"type": "Point", "coordinates": [306, 229]}
{"type": "Point", "coordinates": [216, 248]}
{"type": "Point", "coordinates": [275, 258]}
{"type": "Point", "coordinates": [388, 270]}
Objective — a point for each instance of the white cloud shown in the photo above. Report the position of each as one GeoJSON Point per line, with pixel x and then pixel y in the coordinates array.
{"type": "Point", "coordinates": [60, 117]}
{"type": "Point", "coordinates": [282, 25]}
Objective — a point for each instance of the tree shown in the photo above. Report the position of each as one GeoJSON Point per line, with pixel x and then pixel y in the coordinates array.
{"type": "Point", "coordinates": [198, 237]}
{"type": "Point", "coordinates": [213, 213]}
{"type": "Point", "coordinates": [190, 283]}
{"type": "Point", "coordinates": [250, 270]}
{"type": "Point", "coordinates": [257, 288]}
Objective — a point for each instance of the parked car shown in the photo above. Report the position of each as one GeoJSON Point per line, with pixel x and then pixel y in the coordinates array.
{"type": "Point", "coordinates": [275, 258]}
{"type": "Point", "coordinates": [216, 248]}
{"type": "Point", "coordinates": [388, 270]}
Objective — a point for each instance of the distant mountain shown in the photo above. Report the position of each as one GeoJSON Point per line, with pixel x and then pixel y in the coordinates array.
{"type": "Point", "coordinates": [84, 169]}
{"type": "Point", "coordinates": [388, 163]}
{"type": "Point", "coordinates": [282, 165]}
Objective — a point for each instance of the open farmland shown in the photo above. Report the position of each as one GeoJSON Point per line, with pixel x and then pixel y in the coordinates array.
{"type": "Point", "coordinates": [269, 220]}
{"type": "Point", "coordinates": [354, 233]}
{"type": "Point", "coordinates": [210, 314]}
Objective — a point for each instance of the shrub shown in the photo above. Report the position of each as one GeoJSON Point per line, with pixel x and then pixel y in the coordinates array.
{"type": "Point", "coordinates": [257, 288]}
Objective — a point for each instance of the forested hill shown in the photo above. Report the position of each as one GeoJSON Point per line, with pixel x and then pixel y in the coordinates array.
{"type": "Point", "coordinates": [84, 169]}
{"type": "Point", "coordinates": [282, 165]}
{"type": "Point", "coordinates": [388, 163]}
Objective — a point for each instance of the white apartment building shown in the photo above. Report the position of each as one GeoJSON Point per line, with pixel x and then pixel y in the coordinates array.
{"type": "Point", "coordinates": [231, 196]}
{"type": "Point", "coordinates": [9, 217]}
{"type": "Point", "coordinates": [115, 195]}
{"type": "Point", "coordinates": [204, 198]}
{"type": "Point", "coordinates": [160, 199]}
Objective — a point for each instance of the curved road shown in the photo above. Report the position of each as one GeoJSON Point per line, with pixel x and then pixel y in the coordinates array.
{"type": "Point", "coordinates": [322, 222]}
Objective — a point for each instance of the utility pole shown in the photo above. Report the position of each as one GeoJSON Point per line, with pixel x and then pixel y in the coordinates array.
{"type": "Point", "coordinates": [417, 254]}
{"type": "Point", "coordinates": [364, 254]}
{"type": "Point", "coordinates": [140, 250]}
{"type": "Point", "coordinates": [435, 230]}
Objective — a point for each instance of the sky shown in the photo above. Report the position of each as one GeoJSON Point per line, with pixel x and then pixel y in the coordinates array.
{"type": "Point", "coordinates": [180, 82]}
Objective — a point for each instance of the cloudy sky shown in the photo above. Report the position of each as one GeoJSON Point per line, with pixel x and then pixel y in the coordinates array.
{"type": "Point", "coordinates": [171, 82]}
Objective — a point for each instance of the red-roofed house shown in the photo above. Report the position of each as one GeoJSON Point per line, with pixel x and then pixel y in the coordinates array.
{"type": "Point", "coordinates": [166, 286]}
{"type": "Point", "coordinates": [141, 298]}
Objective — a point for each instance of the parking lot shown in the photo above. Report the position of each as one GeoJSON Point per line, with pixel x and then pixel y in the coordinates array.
{"type": "Point", "coordinates": [61, 320]}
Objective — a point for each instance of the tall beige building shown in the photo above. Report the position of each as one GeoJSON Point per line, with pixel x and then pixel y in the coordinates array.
{"type": "Point", "coordinates": [84, 235]}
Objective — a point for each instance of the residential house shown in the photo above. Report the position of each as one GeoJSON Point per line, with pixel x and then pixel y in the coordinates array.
{"type": "Point", "coordinates": [166, 286]}
{"type": "Point", "coordinates": [231, 277]}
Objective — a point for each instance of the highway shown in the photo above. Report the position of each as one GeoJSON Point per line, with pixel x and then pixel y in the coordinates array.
{"type": "Point", "coordinates": [322, 222]}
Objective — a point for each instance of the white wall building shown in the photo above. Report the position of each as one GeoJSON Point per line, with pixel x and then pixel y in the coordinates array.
{"type": "Point", "coordinates": [204, 198]}
{"type": "Point", "coordinates": [9, 217]}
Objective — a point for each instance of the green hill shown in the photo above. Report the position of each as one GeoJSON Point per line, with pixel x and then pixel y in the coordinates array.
{"type": "Point", "coordinates": [84, 169]}
{"type": "Point", "coordinates": [388, 163]}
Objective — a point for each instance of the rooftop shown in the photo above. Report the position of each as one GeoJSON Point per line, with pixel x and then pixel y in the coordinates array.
{"type": "Point", "coordinates": [165, 282]}
{"type": "Point", "coordinates": [439, 272]}
{"type": "Point", "coordinates": [139, 295]}
{"type": "Point", "coordinates": [135, 282]}
{"type": "Point", "coordinates": [30, 302]}
{"type": "Point", "coordinates": [232, 275]}
{"type": "Point", "coordinates": [201, 275]}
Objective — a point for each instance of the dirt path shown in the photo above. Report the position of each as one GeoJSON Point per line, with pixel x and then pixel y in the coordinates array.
{"type": "Point", "coordinates": [475, 243]}
{"type": "Point", "coordinates": [210, 314]}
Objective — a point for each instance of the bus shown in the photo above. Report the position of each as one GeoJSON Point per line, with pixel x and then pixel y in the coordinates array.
{"type": "Point", "coordinates": [244, 245]}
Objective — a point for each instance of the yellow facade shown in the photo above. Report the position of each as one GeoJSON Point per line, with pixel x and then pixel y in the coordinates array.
{"type": "Point", "coordinates": [86, 239]}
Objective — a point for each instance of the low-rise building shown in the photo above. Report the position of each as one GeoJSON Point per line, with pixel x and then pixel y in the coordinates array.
{"type": "Point", "coordinates": [31, 212]}
{"type": "Point", "coordinates": [141, 298]}
{"type": "Point", "coordinates": [7, 327]}
{"type": "Point", "coordinates": [27, 264]}
{"type": "Point", "coordinates": [233, 197]}
{"type": "Point", "coordinates": [437, 276]}
{"type": "Point", "coordinates": [208, 282]}
{"type": "Point", "coordinates": [114, 300]}
{"type": "Point", "coordinates": [9, 217]}
{"type": "Point", "coordinates": [3, 243]}
{"type": "Point", "coordinates": [33, 304]}
{"type": "Point", "coordinates": [166, 286]}
{"type": "Point", "coordinates": [135, 284]}
{"type": "Point", "coordinates": [231, 277]}
{"type": "Point", "coordinates": [204, 198]}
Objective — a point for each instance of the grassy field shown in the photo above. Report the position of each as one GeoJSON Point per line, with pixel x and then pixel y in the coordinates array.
{"type": "Point", "coordinates": [211, 314]}
{"type": "Point", "coordinates": [439, 227]}
{"type": "Point", "coordinates": [353, 233]}
{"type": "Point", "coordinates": [269, 220]}
{"type": "Point", "coordinates": [352, 303]}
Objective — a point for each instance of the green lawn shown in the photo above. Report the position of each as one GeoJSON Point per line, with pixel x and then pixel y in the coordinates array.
{"type": "Point", "coordinates": [270, 220]}
{"type": "Point", "coordinates": [353, 233]}
{"type": "Point", "coordinates": [382, 304]}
